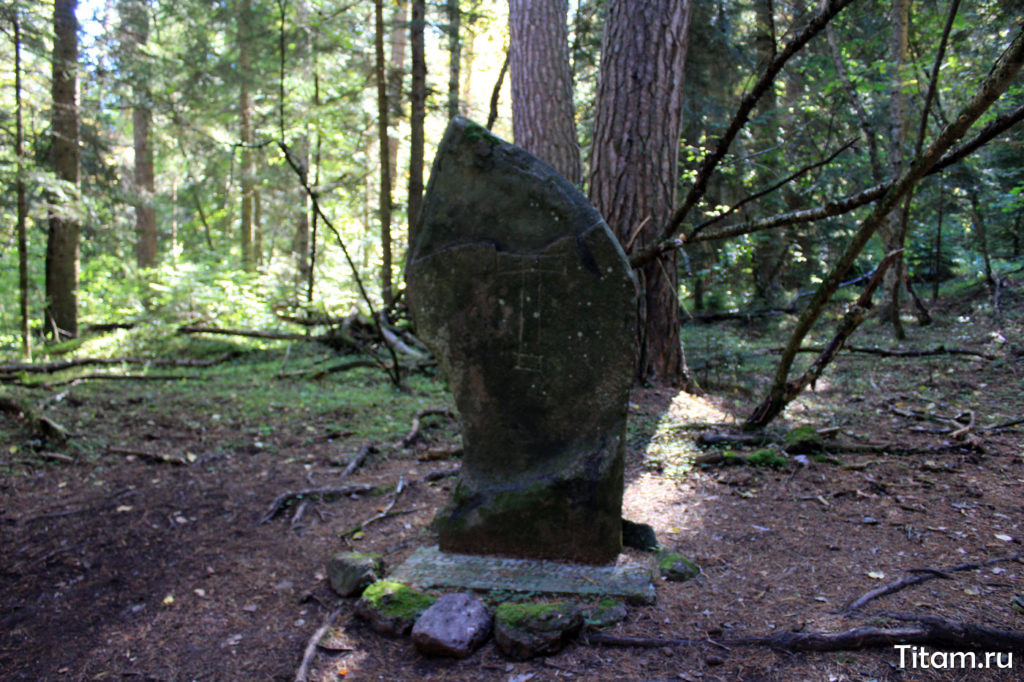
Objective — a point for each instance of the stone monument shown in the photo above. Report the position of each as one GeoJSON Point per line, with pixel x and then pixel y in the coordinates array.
{"type": "Point", "coordinates": [527, 300]}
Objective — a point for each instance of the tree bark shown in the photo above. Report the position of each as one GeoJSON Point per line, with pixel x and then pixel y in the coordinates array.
{"type": "Point", "coordinates": [384, 209]}
{"type": "Point", "coordinates": [417, 112]}
{"type": "Point", "coordinates": [454, 54]}
{"type": "Point", "coordinates": [19, 152]}
{"type": "Point", "coordinates": [245, 115]}
{"type": "Point", "coordinates": [135, 27]}
{"type": "Point", "coordinates": [543, 122]}
{"type": "Point", "coordinates": [635, 159]}
{"type": "Point", "coordinates": [61, 316]}
{"type": "Point", "coordinates": [893, 231]}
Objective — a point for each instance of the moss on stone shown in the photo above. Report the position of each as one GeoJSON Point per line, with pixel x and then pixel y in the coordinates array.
{"type": "Point", "coordinates": [396, 600]}
{"type": "Point", "coordinates": [676, 567]}
{"type": "Point", "coordinates": [531, 615]}
{"type": "Point", "coordinates": [767, 457]}
{"type": "Point", "coordinates": [805, 438]}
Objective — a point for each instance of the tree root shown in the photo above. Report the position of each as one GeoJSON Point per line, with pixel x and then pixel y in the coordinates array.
{"type": "Point", "coordinates": [929, 631]}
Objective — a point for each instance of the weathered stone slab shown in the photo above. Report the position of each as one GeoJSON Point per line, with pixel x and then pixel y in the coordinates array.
{"type": "Point", "coordinates": [429, 567]}
{"type": "Point", "coordinates": [527, 300]}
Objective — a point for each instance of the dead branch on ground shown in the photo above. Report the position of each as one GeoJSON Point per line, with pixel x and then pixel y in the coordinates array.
{"type": "Point", "coordinates": [896, 352]}
{"type": "Point", "coordinates": [929, 631]}
{"type": "Point", "coordinates": [922, 575]}
{"type": "Point", "coordinates": [414, 432]}
{"type": "Point", "coordinates": [145, 454]}
{"type": "Point", "coordinates": [302, 674]}
{"type": "Point", "coordinates": [51, 367]}
{"type": "Point", "coordinates": [357, 459]}
{"type": "Point", "coordinates": [37, 421]}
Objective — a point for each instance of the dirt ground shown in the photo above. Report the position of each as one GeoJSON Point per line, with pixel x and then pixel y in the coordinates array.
{"type": "Point", "coordinates": [118, 566]}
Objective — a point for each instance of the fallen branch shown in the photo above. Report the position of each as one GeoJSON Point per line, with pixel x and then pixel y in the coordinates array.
{"type": "Point", "coordinates": [302, 674]}
{"type": "Point", "coordinates": [896, 352]}
{"type": "Point", "coordinates": [357, 460]}
{"type": "Point", "coordinates": [111, 377]}
{"type": "Point", "coordinates": [327, 494]}
{"type": "Point", "coordinates": [51, 367]}
{"type": "Point", "coordinates": [922, 575]}
{"type": "Point", "coordinates": [38, 422]}
{"type": "Point", "coordinates": [154, 456]}
{"type": "Point", "coordinates": [57, 457]}
{"type": "Point", "coordinates": [929, 631]}
{"type": "Point", "coordinates": [414, 432]}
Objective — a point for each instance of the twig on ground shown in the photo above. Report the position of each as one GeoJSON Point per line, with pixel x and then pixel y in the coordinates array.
{"type": "Point", "coordinates": [56, 456]}
{"type": "Point", "coordinates": [922, 575]}
{"type": "Point", "coordinates": [155, 456]}
{"type": "Point", "coordinates": [357, 459]}
{"type": "Point", "coordinates": [414, 432]}
{"type": "Point", "coordinates": [302, 674]}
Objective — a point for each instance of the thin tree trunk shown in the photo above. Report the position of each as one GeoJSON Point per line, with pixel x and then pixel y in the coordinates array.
{"type": "Point", "coordinates": [635, 161]}
{"type": "Point", "coordinates": [454, 55]}
{"type": "Point", "coordinates": [19, 151]}
{"type": "Point", "coordinates": [899, 136]}
{"type": "Point", "coordinates": [384, 210]}
{"type": "Point", "coordinates": [61, 317]}
{"type": "Point", "coordinates": [492, 114]}
{"type": "Point", "coordinates": [938, 243]}
{"type": "Point", "coordinates": [135, 20]}
{"type": "Point", "coordinates": [245, 115]}
{"type": "Point", "coordinates": [396, 78]}
{"type": "Point", "coordinates": [982, 230]}
{"type": "Point", "coordinates": [417, 113]}
{"type": "Point", "coordinates": [543, 122]}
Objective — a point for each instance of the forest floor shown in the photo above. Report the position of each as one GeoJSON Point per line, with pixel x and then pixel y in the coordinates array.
{"type": "Point", "coordinates": [117, 565]}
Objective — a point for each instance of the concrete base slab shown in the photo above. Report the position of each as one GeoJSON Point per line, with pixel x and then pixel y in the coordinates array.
{"type": "Point", "coordinates": [430, 567]}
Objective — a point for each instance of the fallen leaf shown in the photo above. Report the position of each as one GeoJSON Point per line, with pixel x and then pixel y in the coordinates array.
{"type": "Point", "coordinates": [168, 600]}
{"type": "Point", "coordinates": [124, 508]}
{"type": "Point", "coordinates": [1004, 537]}
{"type": "Point", "coordinates": [877, 575]}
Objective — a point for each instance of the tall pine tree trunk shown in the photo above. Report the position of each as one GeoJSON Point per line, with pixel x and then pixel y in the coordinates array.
{"type": "Point", "coordinates": [245, 117]}
{"type": "Point", "coordinates": [61, 316]}
{"type": "Point", "coordinates": [417, 112]}
{"type": "Point", "coordinates": [542, 111]}
{"type": "Point", "coordinates": [135, 27]}
{"type": "Point", "coordinates": [454, 54]}
{"type": "Point", "coordinates": [894, 229]}
{"type": "Point", "coordinates": [384, 209]}
{"type": "Point", "coordinates": [19, 152]}
{"type": "Point", "coordinates": [635, 162]}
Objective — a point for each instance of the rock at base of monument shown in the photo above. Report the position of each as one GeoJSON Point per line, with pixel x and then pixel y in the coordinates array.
{"type": "Point", "coordinates": [676, 567]}
{"type": "Point", "coordinates": [518, 519]}
{"type": "Point", "coordinates": [523, 631]}
{"type": "Point", "coordinates": [391, 608]}
{"type": "Point", "coordinates": [351, 572]}
{"type": "Point", "coordinates": [456, 625]}
{"type": "Point", "coordinates": [639, 536]}
{"type": "Point", "coordinates": [605, 613]}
